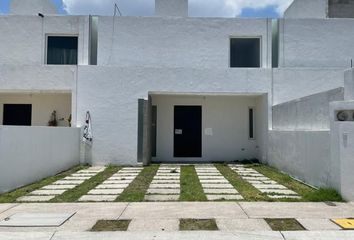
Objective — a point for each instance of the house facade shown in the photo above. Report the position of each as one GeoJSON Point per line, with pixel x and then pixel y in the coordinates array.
{"type": "Point", "coordinates": [172, 88]}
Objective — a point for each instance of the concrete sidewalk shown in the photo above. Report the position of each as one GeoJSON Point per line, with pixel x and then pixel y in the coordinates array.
{"type": "Point", "coordinates": [236, 220]}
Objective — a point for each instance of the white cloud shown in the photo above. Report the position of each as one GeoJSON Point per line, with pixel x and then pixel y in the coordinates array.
{"type": "Point", "coordinates": [210, 8]}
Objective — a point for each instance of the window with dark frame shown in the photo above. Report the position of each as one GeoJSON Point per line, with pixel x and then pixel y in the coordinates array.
{"type": "Point", "coordinates": [62, 50]}
{"type": "Point", "coordinates": [17, 115]}
{"type": "Point", "coordinates": [245, 52]}
{"type": "Point", "coordinates": [251, 123]}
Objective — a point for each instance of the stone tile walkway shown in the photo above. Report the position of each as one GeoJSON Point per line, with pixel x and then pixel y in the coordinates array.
{"type": "Point", "coordinates": [264, 184]}
{"type": "Point", "coordinates": [49, 192]}
{"type": "Point", "coordinates": [215, 185]}
{"type": "Point", "coordinates": [109, 190]}
{"type": "Point", "coordinates": [165, 186]}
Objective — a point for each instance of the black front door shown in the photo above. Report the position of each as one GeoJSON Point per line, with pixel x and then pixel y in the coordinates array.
{"type": "Point", "coordinates": [188, 131]}
{"type": "Point", "coordinates": [17, 114]}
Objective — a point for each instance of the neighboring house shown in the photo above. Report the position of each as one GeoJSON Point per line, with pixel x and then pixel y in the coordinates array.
{"type": "Point", "coordinates": [171, 88]}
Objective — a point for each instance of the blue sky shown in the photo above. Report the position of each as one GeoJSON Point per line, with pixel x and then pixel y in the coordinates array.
{"type": "Point", "coordinates": [221, 8]}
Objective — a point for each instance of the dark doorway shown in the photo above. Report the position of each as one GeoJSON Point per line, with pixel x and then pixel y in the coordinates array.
{"type": "Point", "coordinates": [188, 131]}
{"type": "Point", "coordinates": [17, 114]}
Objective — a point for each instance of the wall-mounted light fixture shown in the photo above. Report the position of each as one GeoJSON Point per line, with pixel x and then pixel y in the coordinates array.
{"type": "Point", "coordinates": [41, 15]}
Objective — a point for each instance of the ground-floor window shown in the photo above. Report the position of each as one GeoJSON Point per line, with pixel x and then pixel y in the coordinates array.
{"type": "Point", "coordinates": [17, 114]}
{"type": "Point", "coordinates": [251, 123]}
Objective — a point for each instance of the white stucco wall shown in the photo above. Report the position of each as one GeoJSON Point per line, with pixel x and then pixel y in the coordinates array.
{"type": "Point", "coordinates": [319, 43]}
{"type": "Point", "coordinates": [42, 106]}
{"type": "Point", "coordinates": [305, 155]}
{"type": "Point", "coordinates": [111, 94]}
{"type": "Point", "coordinates": [226, 116]}
{"type": "Point", "coordinates": [308, 113]}
{"type": "Point", "coordinates": [176, 42]}
{"type": "Point", "coordinates": [29, 154]}
{"type": "Point", "coordinates": [294, 83]}
{"type": "Point", "coordinates": [32, 7]}
{"type": "Point", "coordinates": [307, 9]}
{"type": "Point", "coordinates": [349, 85]}
{"type": "Point", "coordinates": [171, 8]}
{"type": "Point", "coordinates": [23, 38]}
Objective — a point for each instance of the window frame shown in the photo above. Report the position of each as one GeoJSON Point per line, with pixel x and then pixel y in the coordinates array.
{"type": "Point", "coordinates": [248, 37]}
{"type": "Point", "coordinates": [60, 35]}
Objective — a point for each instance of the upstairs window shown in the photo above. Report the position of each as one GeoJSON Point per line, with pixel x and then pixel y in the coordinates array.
{"type": "Point", "coordinates": [245, 52]}
{"type": "Point", "coordinates": [62, 50]}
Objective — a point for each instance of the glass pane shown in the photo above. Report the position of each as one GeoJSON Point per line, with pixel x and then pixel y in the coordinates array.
{"type": "Point", "coordinates": [62, 50]}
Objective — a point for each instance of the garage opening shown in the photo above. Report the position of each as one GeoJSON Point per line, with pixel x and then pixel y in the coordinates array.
{"type": "Point", "coordinates": [245, 52]}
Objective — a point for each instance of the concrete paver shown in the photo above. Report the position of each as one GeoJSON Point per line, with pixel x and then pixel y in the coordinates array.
{"type": "Point", "coordinates": [319, 235]}
{"type": "Point", "coordinates": [57, 187]}
{"type": "Point", "coordinates": [161, 198]}
{"type": "Point", "coordinates": [105, 191]}
{"type": "Point", "coordinates": [223, 197]}
{"type": "Point", "coordinates": [318, 224]}
{"type": "Point", "coordinates": [154, 225]}
{"type": "Point", "coordinates": [35, 198]}
{"type": "Point", "coordinates": [98, 198]}
{"type": "Point", "coordinates": [242, 225]}
{"type": "Point", "coordinates": [46, 192]}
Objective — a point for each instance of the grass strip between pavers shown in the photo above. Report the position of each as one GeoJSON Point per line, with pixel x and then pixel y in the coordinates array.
{"type": "Point", "coordinates": [285, 224]}
{"type": "Point", "coordinates": [191, 188]}
{"type": "Point", "coordinates": [198, 225]}
{"type": "Point", "coordinates": [111, 225]}
{"type": "Point", "coordinates": [11, 197]}
{"type": "Point", "coordinates": [74, 194]}
{"type": "Point", "coordinates": [248, 192]}
{"type": "Point", "coordinates": [307, 193]}
{"type": "Point", "coordinates": [135, 192]}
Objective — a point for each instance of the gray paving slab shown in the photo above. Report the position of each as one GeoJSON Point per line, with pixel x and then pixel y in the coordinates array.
{"type": "Point", "coordinates": [35, 198]}
{"type": "Point", "coordinates": [75, 178]}
{"type": "Point", "coordinates": [279, 191]}
{"type": "Point", "coordinates": [36, 219]}
{"type": "Point", "coordinates": [223, 186]}
{"type": "Point", "coordinates": [164, 186]}
{"type": "Point", "coordinates": [198, 210]}
{"type": "Point", "coordinates": [284, 196]}
{"type": "Point", "coordinates": [105, 191]}
{"type": "Point", "coordinates": [318, 224]}
{"type": "Point", "coordinates": [319, 235]}
{"type": "Point", "coordinates": [98, 198]}
{"type": "Point", "coordinates": [6, 206]}
{"type": "Point", "coordinates": [231, 225]}
{"type": "Point", "coordinates": [163, 191]}
{"type": "Point", "coordinates": [117, 182]}
{"type": "Point", "coordinates": [166, 174]}
{"type": "Point", "coordinates": [112, 186]}
{"type": "Point", "coordinates": [122, 178]}
{"type": "Point", "coordinates": [269, 186]}
{"type": "Point", "coordinates": [166, 181]}
{"type": "Point", "coordinates": [220, 191]}
{"type": "Point", "coordinates": [161, 235]}
{"type": "Point", "coordinates": [256, 178]}
{"type": "Point", "coordinates": [166, 177]}
{"type": "Point", "coordinates": [161, 198]}
{"type": "Point", "coordinates": [83, 174]}
{"type": "Point", "coordinates": [26, 235]}
{"type": "Point", "coordinates": [154, 225]}
{"type": "Point", "coordinates": [211, 177]}
{"type": "Point", "coordinates": [47, 192]}
{"type": "Point", "coordinates": [57, 187]}
{"type": "Point", "coordinates": [68, 182]}
{"type": "Point", "coordinates": [296, 210]}
{"type": "Point", "coordinates": [223, 181]}
{"type": "Point", "coordinates": [224, 197]}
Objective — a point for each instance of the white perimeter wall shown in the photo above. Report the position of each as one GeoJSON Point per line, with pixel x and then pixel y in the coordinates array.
{"type": "Point", "coordinates": [305, 155]}
{"type": "Point", "coordinates": [176, 42]}
{"type": "Point", "coordinates": [23, 38]}
{"type": "Point", "coordinates": [42, 106]}
{"type": "Point", "coordinates": [225, 116]}
{"type": "Point", "coordinates": [29, 154]}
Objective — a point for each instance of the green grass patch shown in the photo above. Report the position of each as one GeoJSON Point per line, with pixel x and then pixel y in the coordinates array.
{"type": "Point", "coordinates": [13, 195]}
{"type": "Point", "coordinates": [191, 189]}
{"type": "Point", "coordinates": [198, 225]}
{"type": "Point", "coordinates": [306, 192]}
{"type": "Point", "coordinates": [135, 192]}
{"type": "Point", "coordinates": [111, 225]}
{"type": "Point", "coordinates": [248, 192]}
{"type": "Point", "coordinates": [285, 224]}
{"type": "Point", "coordinates": [323, 195]}
{"type": "Point", "coordinates": [74, 194]}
